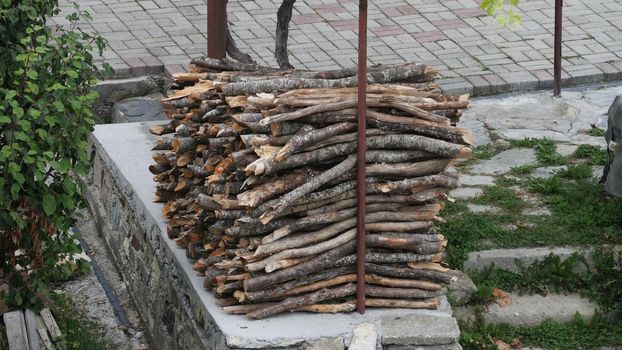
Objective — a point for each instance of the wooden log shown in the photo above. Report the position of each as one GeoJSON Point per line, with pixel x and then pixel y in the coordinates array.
{"type": "Point", "coordinates": [418, 142]}
{"type": "Point", "coordinates": [329, 308]}
{"type": "Point", "coordinates": [301, 141]}
{"type": "Point", "coordinates": [388, 258]}
{"type": "Point", "coordinates": [434, 266]}
{"type": "Point", "coordinates": [182, 145]}
{"type": "Point", "coordinates": [408, 226]}
{"type": "Point", "coordinates": [280, 289]}
{"type": "Point", "coordinates": [285, 263]}
{"type": "Point", "coordinates": [424, 168]}
{"type": "Point", "coordinates": [430, 304]}
{"type": "Point", "coordinates": [308, 187]}
{"type": "Point", "coordinates": [401, 272]}
{"type": "Point", "coordinates": [321, 262]}
{"type": "Point", "coordinates": [404, 242]}
{"type": "Point", "coordinates": [388, 74]}
{"type": "Point", "coordinates": [304, 112]}
{"type": "Point", "coordinates": [162, 129]}
{"type": "Point", "coordinates": [309, 299]}
{"type": "Point", "coordinates": [415, 198]}
{"type": "Point", "coordinates": [402, 283]}
{"type": "Point", "coordinates": [400, 293]}
{"type": "Point", "coordinates": [327, 232]}
{"type": "Point", "coordinates": [409, 125]}
{"type": "Point", "coordinates": [330, 217]}
{"type": "Point", "coordinates": [262, 193]}
{"type": "Point", "coordinates": [253, 140]}
{"type": "Point", "coordinates": [306, 251]}
{"type": "Point", "coordinates": [415, 183]}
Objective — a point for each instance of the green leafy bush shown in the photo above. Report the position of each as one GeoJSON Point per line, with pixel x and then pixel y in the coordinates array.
{"type": "Point", "coordinates": [47, 75]}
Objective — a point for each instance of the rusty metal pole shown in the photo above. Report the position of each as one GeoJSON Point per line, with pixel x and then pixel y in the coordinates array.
{"type": "Point", "coordinates": [360, 162]}
{"type": "Point", "coordinates": [557, 70]}
{"type": "Point", "coordinates": [216, 28]}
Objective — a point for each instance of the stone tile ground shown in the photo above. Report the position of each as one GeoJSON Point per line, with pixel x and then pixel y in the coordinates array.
{"type": "Point", "coordinates": [471, 51]}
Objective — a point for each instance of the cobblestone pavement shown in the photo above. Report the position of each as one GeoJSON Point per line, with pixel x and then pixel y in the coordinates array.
{"type": "Point", "coordinates": [472, 52]}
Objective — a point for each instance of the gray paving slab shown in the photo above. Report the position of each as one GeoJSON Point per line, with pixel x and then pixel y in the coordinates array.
{"type": "Point", "coordinates": [455, 36]}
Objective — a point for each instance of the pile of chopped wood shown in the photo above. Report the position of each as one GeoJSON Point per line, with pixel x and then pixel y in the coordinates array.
{"type": "Point", "coordinates": [259, 183]}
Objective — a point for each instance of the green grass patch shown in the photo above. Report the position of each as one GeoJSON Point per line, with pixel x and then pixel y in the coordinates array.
{"type": "Point", "coordinates": [549, 275]}
{"type": "Point", "coordinates": [581, 171]}
{"type": "Point", "coordinates": [500, 196]}
{"type": "Point", "coordinates": [582, 214]}
{"type": "Point", "coordinates": [79, 333]}
{"type": "Point", "coordinates": [594, 155]}
{"type": "Point", "coordinates": [573, 335]}
{"type": "Point", "coordinates": [546, 150]}
{"type": "Point", "coordinates": [484, 152]}
{"type": "Point", "coordinates": [522, 169]}
{"type": "Point", "coordinates": [596, 132]}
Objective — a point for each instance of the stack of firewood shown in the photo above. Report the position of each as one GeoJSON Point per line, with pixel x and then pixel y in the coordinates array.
{"type": "Point", "coordinates": [259, 184]}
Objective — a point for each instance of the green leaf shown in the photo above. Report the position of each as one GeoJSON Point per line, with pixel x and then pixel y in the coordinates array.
{"type": "Point", "coordinates": [49, 204]}
{"type": "Point", "coordinates": [72, 73]}
{"type": "Point", "coordinates": [4, 119]}
{"type": "Point", "coordinates": [32, 74]}
{"type": "Point", "coordinates": [59, 106]}
{"type": "Point", "coordinates": [51, 120]}
{"type": "Point", "coordinates": [69, 186]}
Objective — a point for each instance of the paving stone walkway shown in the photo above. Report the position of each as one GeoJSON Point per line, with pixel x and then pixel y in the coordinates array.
{"type": "Point", "coordinates": [473, 53]}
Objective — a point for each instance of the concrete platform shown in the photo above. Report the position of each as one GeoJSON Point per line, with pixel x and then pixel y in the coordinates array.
{"type": "Point", "coordinates": [178, 311]}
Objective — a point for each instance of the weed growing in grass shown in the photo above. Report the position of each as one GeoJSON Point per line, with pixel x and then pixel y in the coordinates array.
{"type": "Point", "coordinates": [484, 152]}
{"type": "Point", "coordinates": [576, 334]}
{"type": "Point", "coordinates": [500, 196]}
{"type": "Point", "coordinates": [551, 274]}
{"type": "Point", "coordinates": [522, 169]}
{"type": "Point", "coordinates": [546, 150]}
{"type": "Point", "coordinates": [78, 332]}
{"type": "Point", "coordinates": [597, 132]}
{"type": "Point", "coordinates": [594, 155]}
{"type": "Point", "coordinates": [582, 214]}
{"type": "Point", "coordinates": [580, 171]}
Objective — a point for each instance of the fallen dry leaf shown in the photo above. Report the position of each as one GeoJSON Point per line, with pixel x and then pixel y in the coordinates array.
{"type": "Point", "coordinates": [501, 345]}
{"type": "Point", "coordinates": [502, 298]}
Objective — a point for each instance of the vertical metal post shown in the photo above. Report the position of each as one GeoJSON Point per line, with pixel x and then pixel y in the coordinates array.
{"type": "Point", "coordinates": [360, 162]}
{"type": "Point", "coordinates": [558, 48]}
{"type": "Point", "coordinates": [216, 28]}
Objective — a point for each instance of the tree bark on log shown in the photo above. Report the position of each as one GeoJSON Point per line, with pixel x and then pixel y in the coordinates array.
{"type": "Point", "coordinates": [385, 74]}
{"type": "Point", "coordinates": [402, 283]}
{"type": "Point", "coordinates": [424, 168]}
{"type": "Point", "coordinates": [308, 187]}
{"type": "Point", "coordinates": [306, 251]}
{"type": "Point", "coordinates": [280, 289]}
{"type": "Point", "coordinates": [388, 258]}
{"type": "Point", "coordinates": [323, 261]}
{"type": "Point", "coordinates": [431, 304]}
{"type": "Point", "coordinates": [309, 299]}
{"type": "Point", "coordinates": [401, 272]}
{"type": "Point", "coordinates": [399, 293]}
{"type": "Point", "coordinates": [262, 193]}
{"type": "Point", "coordinates": [414, 183]}
{"type": "Point", "coordinates": [300, 142]}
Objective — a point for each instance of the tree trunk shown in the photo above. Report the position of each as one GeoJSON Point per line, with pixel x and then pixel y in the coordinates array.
{"type": "Point", "coordinates": [284, 15]}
